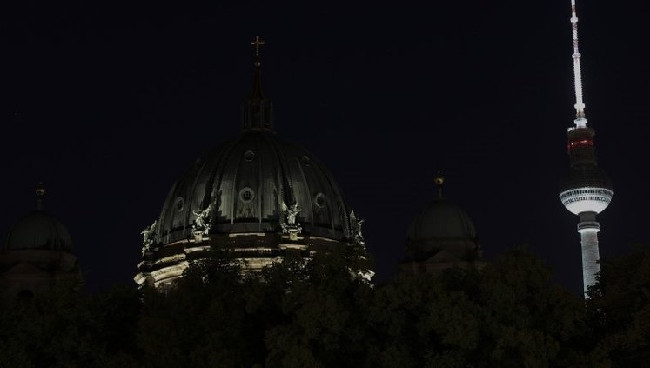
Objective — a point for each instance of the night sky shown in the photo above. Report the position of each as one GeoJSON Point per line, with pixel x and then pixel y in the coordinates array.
{"type": "Point", "coordinates": [108, 103]}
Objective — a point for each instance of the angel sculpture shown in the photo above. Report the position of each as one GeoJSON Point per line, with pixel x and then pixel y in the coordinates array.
{"type": "Point", "coordinates": [288, 222]}
{"type": "Point", "coordinates": [292, 212]}
{"type": "Point", "coordinates": [202, 221]}
{"type": "Point", "coordinates": [148, 234]}
{"type": "Point", "coordinates": [355, 226]}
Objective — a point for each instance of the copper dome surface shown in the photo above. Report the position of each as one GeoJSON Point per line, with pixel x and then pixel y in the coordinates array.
{"type": "Point", "coordinates": [246, 181]}
{"type": "Point", "coordinates": [441, 219]}
{"type": "Point", "coordinates": [38, 230]}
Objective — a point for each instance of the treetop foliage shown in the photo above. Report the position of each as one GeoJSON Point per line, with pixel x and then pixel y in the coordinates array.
{"type": "Point", "coordinates": [317, 313]}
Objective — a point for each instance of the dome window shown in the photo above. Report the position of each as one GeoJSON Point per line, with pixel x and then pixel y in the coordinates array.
{"type": "Point", "coordinates": [249, 155]}
{"type": "Point", "coordinates": [306, 161]}
{"type": "Point", "coordinates": [246, 195]}
{"type": "Point", "coordinates": [320, 200]}
{"type": "Point", "coordinates": [180, 204]}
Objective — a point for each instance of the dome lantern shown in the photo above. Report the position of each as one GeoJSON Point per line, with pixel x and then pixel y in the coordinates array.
{"type": "Point", "coordinates": [257, 110]}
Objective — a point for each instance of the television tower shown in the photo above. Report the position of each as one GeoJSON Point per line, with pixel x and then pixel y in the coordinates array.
{"type": "Point", "coordinates": [587, 190]}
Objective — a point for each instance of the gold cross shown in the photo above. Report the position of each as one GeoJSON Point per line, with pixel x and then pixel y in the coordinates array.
{"type": "Point", "coordinates": [257, 43]}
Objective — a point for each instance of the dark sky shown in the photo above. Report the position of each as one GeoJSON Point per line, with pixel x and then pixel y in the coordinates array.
{"type": "Point", "coordinates": [108, 103]}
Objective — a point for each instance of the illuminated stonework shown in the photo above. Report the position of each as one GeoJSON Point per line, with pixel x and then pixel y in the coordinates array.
{"type": "Point", "coordinates": [165, 270]}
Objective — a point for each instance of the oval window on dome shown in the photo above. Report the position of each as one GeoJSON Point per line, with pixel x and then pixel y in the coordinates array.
{"type": "Point", "coordinates": [249, 155]}
{"type": "Point", "coordinates": [180, 204]}
{"type": "Point", "coordinates": [306, 160]}
{"type": "Point", "coordinates": [320, 200]}
{"type": "Point", "coordinates": [246, 195]}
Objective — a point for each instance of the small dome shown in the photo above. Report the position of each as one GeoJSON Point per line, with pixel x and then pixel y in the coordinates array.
{"type": "Point", "coordinates": [439, 236]}
{"type": "Point", "coordinates": [441, 219]}
{"type": "Point", "coordinates": [38, 230]}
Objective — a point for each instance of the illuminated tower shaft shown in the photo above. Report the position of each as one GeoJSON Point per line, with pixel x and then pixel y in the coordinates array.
{"type": "Point", "coordinates": [588, 229]}
{"type": "Point", "coordinates": [587, 190]}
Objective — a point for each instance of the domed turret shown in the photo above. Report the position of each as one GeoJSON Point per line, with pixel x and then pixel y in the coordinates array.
{"type": "Point", "coordinates": [38, 230]}
{"type": "Point", "coordinates": [440, 236]}
{"type": "Point", "coordinates": [256, 194]}
{"type": "Point", "coordinates": [37, 253]}
{"type": "Point", "coordinates": [441, 220]}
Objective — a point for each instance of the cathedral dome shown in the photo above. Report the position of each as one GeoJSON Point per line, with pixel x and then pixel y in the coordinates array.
{"type": "Point", "coordinates": [256, 194]}
{"type": "Point", "coordinates": [245, 183]}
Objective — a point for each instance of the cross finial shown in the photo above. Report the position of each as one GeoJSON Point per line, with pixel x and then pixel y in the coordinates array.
{"type": "Point", "coordinates": [257, 43]}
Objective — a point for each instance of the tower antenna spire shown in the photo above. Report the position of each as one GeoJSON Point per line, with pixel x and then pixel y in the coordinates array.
{"type": "Point", "coordinates": [581, 120]}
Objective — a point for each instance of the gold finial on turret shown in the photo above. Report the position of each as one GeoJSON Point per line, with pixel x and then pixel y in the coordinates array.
{"type": "Point", "coordinates": [439, 180]}
{"type": "Point", "coordinates": [40, 193]}
{"type": "Point", "coordinates": [40, 190]}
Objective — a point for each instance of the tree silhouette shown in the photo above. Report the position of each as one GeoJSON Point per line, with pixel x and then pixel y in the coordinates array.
{"type": "Point", "coordinates": [318, 312]}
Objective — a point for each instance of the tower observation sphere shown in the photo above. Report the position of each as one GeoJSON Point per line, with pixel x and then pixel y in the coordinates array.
{"type": "Point", "coordinates": [587, 190]}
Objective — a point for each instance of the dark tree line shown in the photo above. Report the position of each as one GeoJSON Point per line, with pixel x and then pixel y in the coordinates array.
{"type": "Point", "coordinates": [316, 313]}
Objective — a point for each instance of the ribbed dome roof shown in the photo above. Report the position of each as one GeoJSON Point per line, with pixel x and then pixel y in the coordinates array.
{"type": "Point", "coordinates": [38, 230]}
{"type": "Point", "coordinates": [441, 219]}
{"type": "Point", "coordinates": [256, 194]}
{"type": "Point", "coordinates": [246, 181]}
{"type": "Point", "coordinates": [440, 236]}
{"type": "Point", "coordinates": [246, 184]}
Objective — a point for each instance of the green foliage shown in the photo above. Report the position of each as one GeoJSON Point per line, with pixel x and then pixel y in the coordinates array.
{"type": "Point", "coordinates": [201, 322]}
{"type": "Point", "coordinates": [507, 314]}
{"type": "Point", "coordinates": [322, 314]}
{"type": "Point", "coordinates": [318, 313]}
{"type": "Point", "coordinates": [620, 310]}
{"type": "Point", "coordinates": [64, 328]}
